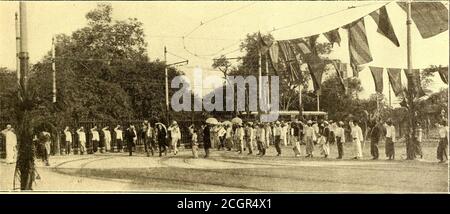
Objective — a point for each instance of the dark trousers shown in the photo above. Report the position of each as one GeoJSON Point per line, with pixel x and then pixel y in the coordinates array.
{"type": "Point", "coordinates": [374, 148]}
{"type": "Point", "coordinates": [277, 144]}
{"type": "Point", "coordinates": [206, 152]}
{"type": "Point", "coordinates": [261, 148]}
{"type": "Point", "coordinates": [119, 144]}
{"type": "Point", "coordinates": [68, 147]}
{"type": "Point", "coordinates": [442, 149]}
{"type": "Point", "coordinates": [94, 145]}
{"type": "Point", "coordinates": [162, 148]}
{"type": "Point", "coordinates": [390, 148]}
{"type": "Point", "coordinates": [130, 147]}
{"type": "Point", "coordinates": [340, 147]}
{"type": "Point", "coordinates": [148, 146]}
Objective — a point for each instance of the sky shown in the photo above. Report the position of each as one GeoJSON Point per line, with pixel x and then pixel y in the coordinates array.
{"type": "Point", "coordinates": [224, 25]}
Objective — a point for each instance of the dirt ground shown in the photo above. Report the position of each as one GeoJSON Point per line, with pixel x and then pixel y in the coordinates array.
{"type": "Point", "coordinates": [226, 171]}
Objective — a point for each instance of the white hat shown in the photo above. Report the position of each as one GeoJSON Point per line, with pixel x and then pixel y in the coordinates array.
{"type": "Point", "coordinates": [278, 122]}
{"type": "Point", "coordinates": [309, 122]}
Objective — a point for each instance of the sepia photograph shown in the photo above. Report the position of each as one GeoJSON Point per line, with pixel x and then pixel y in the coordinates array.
{"type": "Point", "coordinates": [224, 97]}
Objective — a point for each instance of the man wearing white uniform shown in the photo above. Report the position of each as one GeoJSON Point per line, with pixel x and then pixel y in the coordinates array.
{"type": "Point", "coordinates": [390, 140]}
{"type": "Point", "coordinates": [107, 135]}
{"type": "Point", "coordinates": [95, 139]}
{"type": "Point", "coordinates": [82, 139]}
{"type": "Point", "coordinates": [175, 135]}
{"type": "Point", "coordinates": [119, 139]}
{"type": "Point", "coordinates": [357, 137]}
{"type": "Point", "coordinates": [11, 143]}
{"type": "Point", "coordinates": [68, 135]}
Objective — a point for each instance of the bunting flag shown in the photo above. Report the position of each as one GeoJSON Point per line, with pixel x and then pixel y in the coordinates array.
{"type": "Point", "coordinates": [287, 53]}
{"type": "Point", "coordinates": [274, 54]}
{"type": "Point", "coordinates": [316, 66]}
{"type": "Point", "coordinates": [384, 25]}
{"type": "Point", "coordinates": [377, 74]}
{"type": "Point", "coordinates": [263, 46]}
{"type": "Point", "coordinates": [290, 59]}
{"type": "Point", "coordinates": [414, 80]}
{"type": "Point", "coordinates": [300, 46]}
{"type": "Point", "coordinates": [431, 18]}
{"type": "Point", "coordinates": [294, 72]}
{"type": "Point", "coordinates": [333, 36]}
{"type": "Point", "coordinates": [341, 70]}
{"type": "Point", "coordinates": [312, 44]}
{"type": "Point", "coordinates": [395, 80]}
{"type": "Point", "coordinates": [443, 73]}
{"type": "Point", "coordinates": [356, 69]}
{"type": "Point", "coordinates": [358, 44]}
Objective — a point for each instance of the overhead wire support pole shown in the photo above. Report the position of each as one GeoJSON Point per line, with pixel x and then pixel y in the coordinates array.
{"type": "Point", "coordinates": [166, 73]}
{"type": "Point", "coordinates": [167, 85]}
{"type": "Point", "coordinates": [54, 69]}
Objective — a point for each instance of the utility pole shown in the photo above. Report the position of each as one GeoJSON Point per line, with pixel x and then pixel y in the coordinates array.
{"type": "Point", "coordinates": [259, 79]}
{"type": "Point", "coordinates": [166, 67]}
{"type": "Point", "coordinates": [17, 49]}
{"type": "Point", "coordinates": [410, 149]}
{"type": "Point", "coordinates": [54, 69]}
{"type": "Point", "coordinates": [57, 142]}
{"type": "Point", "coordinates": [25, 161]}
{"type": "Point", "coordinates": [167, 85]}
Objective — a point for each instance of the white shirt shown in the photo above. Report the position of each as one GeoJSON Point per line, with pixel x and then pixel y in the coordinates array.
{"type": "Point", "coordinates": [175, 132]}
{"type": "Point", "coordinates": [68, 136]}
{"type": "Point", "coordinates": [277, 131]}
{"type": "Point", "coordinates": [119, 135]}
{"type": "Point", "coordinates": [95, 135]}
{"type": "Point", "coordinates": [81, 136]}
{"type": "Point", "coordinates": [339, 132]}
{"type": "Point", "coordinates": [107, 134]}
{"type": "Point", "coordinates": [284, 131]}
{"type": "Point", "coordinates": [390, 132]}
{"type": "Point", "coordinates": [443, 132]}
{"type": "Point", "coordinates": [229, 132]}
{"type": "Point", "coordinates": [239, 133]}
{"type": "Point", "coordinates": [261, 135]}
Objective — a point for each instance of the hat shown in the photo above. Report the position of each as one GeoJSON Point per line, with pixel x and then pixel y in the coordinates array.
{"type": "Point", "coordinates": [278, 122]}
{"type": "Point", "coordinates": [325, 122]}
{"type": "Point", "coordinates": [174, 122]}
{"type": "Point", "coordinates": [309, 122]}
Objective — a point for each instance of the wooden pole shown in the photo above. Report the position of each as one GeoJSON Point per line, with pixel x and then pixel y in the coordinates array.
{"type": "Point", "coordinates": [410, 151]}
{"type": "Point", "coordinates": [25, 160]}
{"type": "Point", "coordinates": [54, 69]}
{"type": "Point", "coordinates": [17, 48]}
{"type": "Point", "coordinates": [167, 85]}
{"type": "Point", "coordinates": [259, 78]}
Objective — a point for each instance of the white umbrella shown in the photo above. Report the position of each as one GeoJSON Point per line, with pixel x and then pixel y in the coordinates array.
{"type": "Point", "coordinates": [227, 123]}
{"type": "Point", "coordinates": [212, 120]}
{"type": "Point", "coordinates": [236, 120]}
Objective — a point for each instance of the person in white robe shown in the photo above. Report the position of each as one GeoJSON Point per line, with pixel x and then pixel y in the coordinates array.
{"type": "Point", "coordinates": [11, 144]}
{"type": "Point", "coordinates": [107, 135]}
{"type": "Point", "coordinates": [357, 137]}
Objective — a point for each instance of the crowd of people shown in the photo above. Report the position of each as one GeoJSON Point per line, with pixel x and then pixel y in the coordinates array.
{"type": "Point", "coordinates": [242, 137]}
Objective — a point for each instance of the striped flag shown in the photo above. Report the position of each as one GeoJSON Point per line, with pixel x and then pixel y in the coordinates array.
{"type": "Point", "coordinates": [274, 54]}
{"type": "Point", "coordinates": [384, 25]}
{"type": "Point", "coordinates": [341, 69]}
{"type": "Point", "coordinates": [377, 74]}
{"type": "Point", "coordinates": [290, 59]}
{"type": "Point", "coordinates": [395, 80]}
{"type": "Point", "coordinates": [333, 36]}
{"type": "Point", "coordinates": [431, 18]}
{"type": "Point", "coordinates": [358, 44]}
